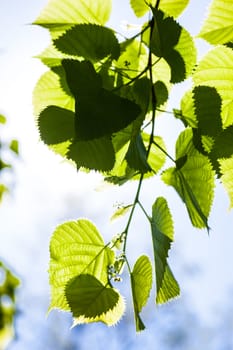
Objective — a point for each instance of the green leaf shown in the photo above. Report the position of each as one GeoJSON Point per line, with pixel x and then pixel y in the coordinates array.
{"type": "Point", "coordinates": [136, 155]}
{"type": "Point", "coordinates": [121, 211]}
{"type": "Point", "coordinates": [174, 44]}
{"type": "Point", "coordinates": [157, 157]}
{"type": "Point", "coordinates": [66, 13]}
{"type": "Point", "coordinates": [3, 190]}
{"type": "Point", "coordinates": [173, 8]}
{"type": "Point", "coordinates": [92, 301]}
{"type": "Point", "coordinates": [76, 248]}
{"type": "Point", "coordinates": [141, 282]}
{"type": "Point", "coordinates": [141, 92]}
{"type": "Point", "coordinates": [216, 70]}
{"type": "Point", "coordinates": [161, 93]}
{"type": "Point", "coordinates": [207, 104]}
{"type": "Point", "coordinates": [56, 125]}
{"type": "Point", "coordinates": [91, 41]}
{"type": "Point", "coordinates": [226, 168]}
{"type": "Point", "coordinates": [2, 119]}
{"type": "Point", "coordinates": [188, 115]}
{"type": "Point", "coordinates": [194, 181]}
{"type": "Point", "coordinates": [132, 61]}
{"type": "Point", "coordinates": [140, 7]}
{"type": "Point", "coordinates": [14, 146]}
{"type": "Point", "coordinates": [222, 147]}
{"type": "Point", "coordinates": [162, 236]}
{"type": "Point", "coordinates": [97, 154]}
{"type": "Point", "coordinates": [48, 91]}
{"type": "Point", "coordinates": [99, 112]}
{"type": "Point", "coordinates": [218, 27]}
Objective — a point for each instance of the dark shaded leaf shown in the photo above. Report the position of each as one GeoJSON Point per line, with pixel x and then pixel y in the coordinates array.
{"type": "Point", "coordinates": [97, 154]}
{"type": "Point", "coordinates": [137, 155]}
{"type": "Point", "coordinates": [98, 112]}
{"type": "Point", "coordinates": [56, 125]}
{"type": "Point", "coordinates": [162, 236]}
{"type": "Point", "coordinates": [91, 41]}
{"type": "Point", "coordinates": [207, 103]}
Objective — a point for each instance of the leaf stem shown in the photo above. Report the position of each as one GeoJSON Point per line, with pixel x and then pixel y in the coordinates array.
{"type": "Point", "coordinates": [163, 150]}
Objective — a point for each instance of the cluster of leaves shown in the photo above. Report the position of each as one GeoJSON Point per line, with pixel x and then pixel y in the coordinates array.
{"type": "Point", "coordinates": [11, 146]}
{"type": "Point", "coordinates": [95, 105]}
{"type": "Point", "coordinates": [8, 284]}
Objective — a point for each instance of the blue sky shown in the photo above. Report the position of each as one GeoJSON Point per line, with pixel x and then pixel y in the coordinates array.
{"type": "Point", "coordinates": [48, 191]}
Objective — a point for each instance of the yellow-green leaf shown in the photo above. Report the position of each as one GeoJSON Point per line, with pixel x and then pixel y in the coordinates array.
{"type": "Point", "coordinates": [226, 167]}
{"type": "Point", "coordinates": [218, 27]}
{"type": "Point", "coordinates": [141, 282]}
{"type": "Point", "coordinates": [173, 7]}
{"type": "Point", "coordinates": [76, 247]}
{"type": "Point", "coordinates": [92, 301]}
{"type": "Point", "coordinates": [162, 237]}
{"type": "Point", "coordinates": [216, 70]}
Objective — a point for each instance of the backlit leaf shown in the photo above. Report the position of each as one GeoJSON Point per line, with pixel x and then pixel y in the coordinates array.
{"type": "Point", "coordinates": [141, 283]}
{"type": "Point", "coordinates": [207, 104]}
{"type": "Point", "coordinates": [97, 154]}
{"type": "Point", "coordinates": [173, 8]}
{"type": "Point", "coordinates": [2, 119]}
{"type": "Point", "coordinates": [218, 27]}
{"type": "Point", "coordinates": [99, 112]}
{"type": "Point", "coordinates": [136, 155]}
{"type": "Point", "coordinates": [121, 211]}
{"type": "Point", "coordinates": [226, 168]}
{"type": "Point", "coordinates": [216, 70]}
{"type": "Point", "coordinates": [65, 13]}
{"type": "Point", "coordinates": [48, 91]}
{"type": "Point", "coordinates": [76, 248]}
{"type": "Point", "coordinates": [174, 44]}
{"type": "Point", "coordinates": [91, 41]}
{"type": "Point", "coordinates": [140, 7]}
{"type": "Point", "coordinates": [56, 125]}
{"type": "Point", "coordinates": [14, 146]}
{"type": "Point", "coordinates": [162, 237]}
{"type": "Point", "coordinates": [92, 301]}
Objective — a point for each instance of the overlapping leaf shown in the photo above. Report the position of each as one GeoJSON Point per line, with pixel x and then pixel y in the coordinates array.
{"type": "Point", "coordinates": [48, 91]}
{"type": "Point", "coordinates": [226, 168]}
{"type": "Point", "coordinates": [207, 104]}
{"type": "Point", "coordinates": [99, 112]}
{"type": "Point", "coordinates": [173, 43]}
{"type": "Point", "coordinates": [56, 125]}
{"type": "Point", "coordinates": [162, 236]}
{"type": "Point", "coordinates": [97, 154]}
{"type": "Point", "coordinates": [216, 70]}
{"type": "Point", "coordinates": [173, 8]}
{"type": "Point", "coordinates": [218, 27]}
{"type": "Point", "coordinates": [140, 7]}
{"type": "Point", "coordinates": [193, 179]}
{"type": "Point", "coordinates": [59, 15]}
{"type": "Point", "coordinates": [76, 248]}
{"type": "Point", "coordinates": [92, 301]}
{"type": "Point", "coordinates": [141, 282]}
{"type": "Point", "coordinates": [132, 61]}
{"type": "Point", "coordinates": [91, 41]}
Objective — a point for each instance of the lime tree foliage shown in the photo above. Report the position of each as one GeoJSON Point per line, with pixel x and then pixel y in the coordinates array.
{"type": "Point", "coordinates": [97, 106]}
{"type": "Point", "coordinates": [7, 149]}
{"type": "Point", "coordinates": [8, 281]}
